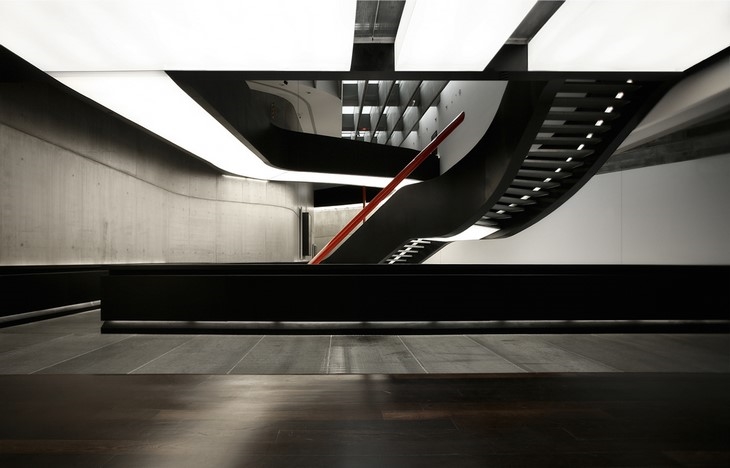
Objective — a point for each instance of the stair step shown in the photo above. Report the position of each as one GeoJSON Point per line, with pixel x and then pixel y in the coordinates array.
{"type": "Point", "coordinates": [534, 183]}
{"type": "Point", "coordinates": [551, 163]}
{"type": "Point", "coordinates": [566, 141]}
{"type": "Point", "coordinates": [582, 116]}
{"type": "Point", "coordinates": [494, 215]}
{"type": "Point", "coordinates": [574, 129]}
{"type": "Point", "coordinates": [507, 208]}
{"type": "Point", "coordinates": [600, 88]}
{"type": "Point", "coordinates": [517, 201]}
{"type": "Point", "coordinates": [521, 192]}
{"type": "Point", "coordinates": [590, 102]}
{"type": "Point", "coordinates": [559, 153]}
{"type": "Point", "coordinates": [541, 175]}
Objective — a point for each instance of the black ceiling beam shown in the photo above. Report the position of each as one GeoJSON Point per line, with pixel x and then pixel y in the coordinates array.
{"type": "Point", "coordinates": [373, 56]}
{"type": "Point", "coordinates": [233, 103]}
{"type": "Point", "coordinates": [486, 75]}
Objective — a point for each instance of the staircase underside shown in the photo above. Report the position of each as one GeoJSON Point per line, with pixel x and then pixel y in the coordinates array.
{"type": "Point", "coordinates": [546, 141]}
{"type": "Point", "coordinates": [549, 136]}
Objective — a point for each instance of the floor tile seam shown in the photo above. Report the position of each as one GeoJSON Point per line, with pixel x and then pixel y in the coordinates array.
{"type": "Point", "coordinates": [329, 355]}
{"type": "Point", "coordinates": [653, 350]}
{"type": "Point", "coordinates": [82, 354]}
{"type": "Point", "coordinates": [414, 356]}
{"type": "Point", "coordinates": [657, 350]}
{"type": "Point", "coordinates": [686, 339]}
{"type": "Point", "coordinates": [523, 369]}
{"type": "Point", "coordinates": [163, 354]}
{"type": "Point", "coordinates": [614, 369]}
{"type": "Point", "coordinates": [608, 367]}
{"type": "Point", "coordinates": [12, 352]}
{"type": "Point", "coordinates": [246, 354]}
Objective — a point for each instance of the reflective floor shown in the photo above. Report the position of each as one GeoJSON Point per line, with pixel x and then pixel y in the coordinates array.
{"type": "Point", "coordinates": [73, 397]}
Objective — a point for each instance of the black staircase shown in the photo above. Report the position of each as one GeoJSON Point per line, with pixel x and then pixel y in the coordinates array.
{"type": "Point", "coordinates": [587, 121]}
{"type": "Point", "coordinates": [581, 123]}
{"type": "Point", "coordinates": [548, 138]}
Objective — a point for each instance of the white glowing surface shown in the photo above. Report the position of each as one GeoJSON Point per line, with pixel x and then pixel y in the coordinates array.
{"type": "Point", "coordinates": [455, 35]}
{"type": "Point", "coordinates": [630, 35]}
{"type": "Point", "coordinates": [115, 35]}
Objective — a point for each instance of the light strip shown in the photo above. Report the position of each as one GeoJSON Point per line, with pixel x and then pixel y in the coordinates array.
{"type": "Point", "coordinates": [115, 35]}
{"type": "Point", "coordinates": [475, 232]}
{"type": "Point", "coordinates": [458, 35]}
{"type": "Point", "coordinates": [630, 35]}
{"type": "Point", "coordinates": [114, 52]}
{"type": "Point", "coordinates": [152, 100]}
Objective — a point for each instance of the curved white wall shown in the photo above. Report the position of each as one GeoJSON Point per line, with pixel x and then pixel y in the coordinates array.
{"type": "Point", "coordinates": [479, 100]}
{"type": "Point", "coordinates": [703, 94]}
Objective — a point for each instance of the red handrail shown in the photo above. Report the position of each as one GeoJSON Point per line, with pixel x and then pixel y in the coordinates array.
{"type": "Point", "coordinates": [387, 190]}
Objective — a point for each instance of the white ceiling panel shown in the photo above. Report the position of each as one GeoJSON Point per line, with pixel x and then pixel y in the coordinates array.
{"type": "Point", "coordinates": [457, 35]}
{"type": "Point", "coordinates": [630, 35]}
{"type": "Point", "coordinates": [124, 35]}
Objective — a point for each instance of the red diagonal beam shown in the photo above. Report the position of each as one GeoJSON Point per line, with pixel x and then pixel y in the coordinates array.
{"type": "Point", "coordinates": [386, 191]}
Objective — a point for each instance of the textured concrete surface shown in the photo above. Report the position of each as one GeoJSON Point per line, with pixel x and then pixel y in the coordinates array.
{"type": "Point", "coordinates": [79, 187]}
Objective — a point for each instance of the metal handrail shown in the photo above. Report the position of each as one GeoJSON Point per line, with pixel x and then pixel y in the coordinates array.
{"type": "Point", "coordinates": [385, 192]}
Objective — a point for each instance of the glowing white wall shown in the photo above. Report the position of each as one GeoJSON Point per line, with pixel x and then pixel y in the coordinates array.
{"type": "Point", "coordinates": [667, 214]}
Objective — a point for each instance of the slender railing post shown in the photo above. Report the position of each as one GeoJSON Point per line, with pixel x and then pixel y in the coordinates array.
{"type": "Point", "coordinates": [385, 192]}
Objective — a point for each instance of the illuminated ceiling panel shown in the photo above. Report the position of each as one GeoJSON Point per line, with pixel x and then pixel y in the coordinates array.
{"type": "Point", "coordinates": [459, 35]}
{"type": "Point", "coordinates": [152, 100]}
{"type": "Point", "coordinates": [630, 35]}
{"type": "Point", "coordinates": [117, 35]}
{"type": "Point", "coordinates": [115, 52]}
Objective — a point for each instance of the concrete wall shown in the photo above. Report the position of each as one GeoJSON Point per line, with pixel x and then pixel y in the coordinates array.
{"type": "Point", "coordinates": [77, 186]}
{"type": "Point", "coordinates": [667, 214]}
{"type": "Point", "coordinates": [328, 221]}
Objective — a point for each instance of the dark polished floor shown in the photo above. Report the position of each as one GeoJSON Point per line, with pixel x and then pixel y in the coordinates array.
{"type": "Point", "coordinates": [73, 397]}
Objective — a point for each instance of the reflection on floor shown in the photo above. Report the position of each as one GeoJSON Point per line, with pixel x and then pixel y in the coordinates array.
{"type": "Point", "coordinates": [73, 397]}
{"type": "Point", "coordinates": [640, 420]}
{"type": "Point", "coordinates": [74, 345]}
